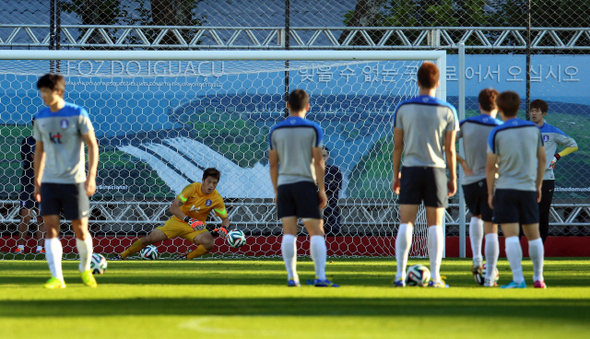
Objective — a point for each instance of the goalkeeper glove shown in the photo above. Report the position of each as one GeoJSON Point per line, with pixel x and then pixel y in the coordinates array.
{"type": "Point", "coordinates": [219, 232]}
{"type": "Point", "coordinates": [194, 223]}
{"type": "Point", "coordinates": [554, 160]}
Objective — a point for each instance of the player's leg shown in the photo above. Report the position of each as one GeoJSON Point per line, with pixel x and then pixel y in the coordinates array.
{"type": "Point", "coordinates": [473, 196]}
{"type": "Point", "coordinates": [318, 250]}
{"type": "Point", "coordinates": [530, 226]}
{"type": "Point", "coordinates": [435, 201]}
{"type": "Point", "coordinates": [23, 228]}
{"type": "Point", "coordinates": [436, 243]}
{"type": "Point", "coordinates": [77, 209]}
{"type": "Point", "coordinates": [403, 240]}
{"type": "Point", "coordinates": [50, 209]}
{"type": "Point", "coordinates": [492, 251]}
{"type": "Point", "coordinates": [545, 207]}
{"type": "Point", "coordinates": [514, 254]}
{"type": "Point", "coordinates": [204, 241]}
{"type": "Point", "coordinates": [53, 251]}
{"type": "Point", "coordinates": [287, 213]}
{"type": "Point", "coordinates": [155, 236]}
{"type": "Point", "coordinates": [411, 195]}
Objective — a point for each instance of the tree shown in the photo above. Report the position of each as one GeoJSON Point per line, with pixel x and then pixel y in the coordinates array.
{"type": "Point", "coordinates": [365, 14]}
{"type": "Point", "coordinates": [95, 12]}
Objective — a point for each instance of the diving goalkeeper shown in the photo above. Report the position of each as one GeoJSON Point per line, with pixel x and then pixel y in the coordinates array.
{"type": "Point", "coordinates": [190, 210]}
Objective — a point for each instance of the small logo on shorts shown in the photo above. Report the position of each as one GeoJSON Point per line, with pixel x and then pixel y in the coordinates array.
{"type": "Point", "coordinates": [208, 203]}
{"type": "Point", "coordinates": [480, 184]}
{"type": "Point", "coordinates": [64, 123]}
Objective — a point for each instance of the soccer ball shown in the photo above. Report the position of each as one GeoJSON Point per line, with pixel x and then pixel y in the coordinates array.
{"type": "Point", "coordinates": [98, 263]}
{"type": "Point", "coordinates": [235, 238]}
{"type": "Point", "coordinates": [150, 252]}
{"type": "Point", "coordinates": [417, 275]}
{"type": "Point", "coordinates": [480, 278]}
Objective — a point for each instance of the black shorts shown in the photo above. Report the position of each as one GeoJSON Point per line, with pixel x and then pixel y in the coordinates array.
{"type": "Point", "coordinates": [514, 206]}
{"type": "Point", "coordinates": [27, 198]}
{"type": "Point", "coordinates": [476, 198]}
{"type": "Point", "coordinates": [428, 184]}
{"type": "Point", "coordinates": [69, 198]}
{"type": "Point", "coordinates": [299, 200]}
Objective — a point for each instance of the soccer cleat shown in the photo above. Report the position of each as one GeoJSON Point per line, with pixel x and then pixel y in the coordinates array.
{"type": "Point", "coordinates": [322, 283]}
{"type": "Point", "coordinates": [40, 251]}
{"type": "Point", "coordinates": [181, 256]}
{"type": "Point", "coordinates": [512, 284]}
{"type": "Point", "coordinates": [399, 283]}
{"type": "Point", "coordinates": [477, 269]}
{"type": "Point", "coordinates": [116, 257]}
{"type": "Point", "coordinates": [88, 279]}
{"type": "Point", "coordinates": [18, 251]}
{"type": "Point", "coordinates": [490, 283]}
{"type": "Point", "coordinates": [293, 283]}
{"type": "Point", "coordinates": [540, 284]}
{"type": "Point", "coordinates": [54, 283]}
{"type": "Point", "coordinates": [437, 284]}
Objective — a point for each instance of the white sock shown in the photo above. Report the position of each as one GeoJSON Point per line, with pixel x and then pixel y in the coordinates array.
{"type": "Point", "coordinates": [435, 250]}
{"type": "Point", "coordinates": [290, 256]}
{"type": "Point", "coordinates": [53, 253]}
{"type": "Point", "coordinates": [318, 250]}
{"type": "Point", "coordinates": [21, 247]}
{"type": "Point", "coordinates": [492, 254]}
{"type": "Point", "coordinates": [476, 237]}
{"type": "Point", "coordinates": [514, 254]}
{"type": "Point", "coordinates": [403, 242]}
{"type": "Point", "coordinates": [537, 254]}
{"type": "Point", "coordinates": [85, 251]}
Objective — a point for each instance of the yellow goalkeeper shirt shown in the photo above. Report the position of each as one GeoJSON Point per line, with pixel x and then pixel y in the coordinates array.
{"type": "Point", "coordinates": [198, 205]}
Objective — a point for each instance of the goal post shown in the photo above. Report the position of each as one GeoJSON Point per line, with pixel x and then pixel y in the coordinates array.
{"type": "Point", "coordinates": [162, 117]}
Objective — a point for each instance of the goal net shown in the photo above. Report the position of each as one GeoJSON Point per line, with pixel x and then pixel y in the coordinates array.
{"type": "Point", "coordinates": [161, 118]}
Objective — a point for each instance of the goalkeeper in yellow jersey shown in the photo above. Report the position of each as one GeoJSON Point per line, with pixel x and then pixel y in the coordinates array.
{"type": "Point", "coordinates": [190, 210]}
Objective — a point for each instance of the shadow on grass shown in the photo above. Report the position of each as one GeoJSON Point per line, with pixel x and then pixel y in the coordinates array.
{"type": "Point", "coordinates": [565, 309]}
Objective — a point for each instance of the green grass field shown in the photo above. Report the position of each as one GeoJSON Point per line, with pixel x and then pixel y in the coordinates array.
{"type": "Point", "coordinates": [249, 299]}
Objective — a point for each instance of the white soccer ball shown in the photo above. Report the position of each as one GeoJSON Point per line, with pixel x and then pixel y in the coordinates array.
{"type": "Point", "coordinates": [417, 275]}
{"type": "Point", "coordinates": [235, 238]}
{"type": "Point", "coordinates": [98, 263]}
{"type": "Point", "coordinates": [150, 252]}
{"type": "Point", "coordinates": [481, 278]}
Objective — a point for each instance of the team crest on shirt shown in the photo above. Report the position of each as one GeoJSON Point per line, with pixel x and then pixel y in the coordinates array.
{"type": "Point", "coordinates": [208, 203]}
{"type": "Point", "coordinates": [545, 138]}
{"type": "Point", "coordinates": [64, 123]}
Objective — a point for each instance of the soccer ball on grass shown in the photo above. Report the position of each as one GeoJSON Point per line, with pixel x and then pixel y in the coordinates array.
{"type": "Point", "coordinates": [417, 275]}
{"type": "Point", "coordinates": [98, 263]}
{"type": "Point", "coordinates": [149, 252]}
{"type": "Point", "coordinates": [480, 278]}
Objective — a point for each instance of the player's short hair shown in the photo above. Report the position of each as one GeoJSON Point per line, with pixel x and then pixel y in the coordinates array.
{"type": "Point", "coordinates": [428, 75]}
{"type": "Point", "coordinates": [211, 172]}
{"type": "Point", "coordinates": [54, 82]}
{"type": "Point", "coordinates": [508, 102]}
{"type": "Point", "coordinates": [298, 100]}
{"type": "Point", "coordinates": [487, 99]}
{"type": "Point", "coordinates": [540, 104]}
{"type": "Point", "coordinates": [326, 149]}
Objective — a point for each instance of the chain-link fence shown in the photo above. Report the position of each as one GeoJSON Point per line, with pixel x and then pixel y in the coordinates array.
{"type": "Point", "coordinates": [498, 49]}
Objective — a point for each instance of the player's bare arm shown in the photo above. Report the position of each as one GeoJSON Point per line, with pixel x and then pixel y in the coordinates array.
{"type": "Point", "coordinates": [541, 161]}
{"type": "Point", "coordinates": [398, 147]}
{"type": "Point", "coordinates": [320, 171]}
{"type": "Point", "coordinates": [451, 155]}
{"type": "Point", "coordinates": [39, 167]}
{"type": "Point", "coordinates": [273, 161]}
{"type": "Point", "coordinates": [90, 140]}
{"type": "Point", "coordinates": [464, 166]}
{"type": "Point", "coordinates": [491, 177]}
{"type": "Point", "coordinates": [175, 209]}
